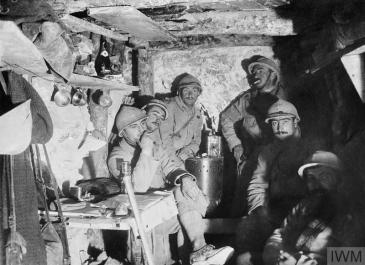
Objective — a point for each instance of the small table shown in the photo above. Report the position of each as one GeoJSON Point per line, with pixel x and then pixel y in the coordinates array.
{"type": "Point", "coordinates": [156, 208]}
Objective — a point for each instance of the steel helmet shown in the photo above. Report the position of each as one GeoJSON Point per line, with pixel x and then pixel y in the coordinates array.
{"type": "Point", "coordinates": [321, 158]}
{"type": "Point", "coordinates": [158, 103]}
{"type": "Point", "coordinates": [282, 108]}
{"type": "Point", "coordinates": [266, 62]}
{"type": "Point", "coordinates": [128, 115]}
{"type": "Point", "coordinates": [188, 80]}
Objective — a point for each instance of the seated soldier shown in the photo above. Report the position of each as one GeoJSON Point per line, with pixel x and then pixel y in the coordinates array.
{"type": "Point", "coordinates": [325, 218]}
{"type": "Point", "coordinates": [182, 130]}
{"type": "Point", "coordinates": [275, 187]}
{"type": "Point", "coordinates": [157, 167]}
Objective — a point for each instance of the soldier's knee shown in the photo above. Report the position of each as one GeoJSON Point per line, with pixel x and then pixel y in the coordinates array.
{"type": "Point", "coordinates": [244, 259]}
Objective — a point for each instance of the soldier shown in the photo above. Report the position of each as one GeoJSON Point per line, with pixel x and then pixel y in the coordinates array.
{"type": "Point", "coordinates": [327, 217]}
{"type": "Point", "coordinates": [155, 166]}
{"type": "Point", "coordinates": [265, 78]}
{"type": "Point", "coordinates": [275, 187]}
{"type": "Point", "coordinates": [182, 130]}
{"type": "Point", "coordinates": [250, 108]}
{"type": "Point", "coordinates": [156, 113]}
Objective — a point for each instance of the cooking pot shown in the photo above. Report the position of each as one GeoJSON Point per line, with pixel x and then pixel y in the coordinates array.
{"type": "Point", "coordinates": [209, 174]}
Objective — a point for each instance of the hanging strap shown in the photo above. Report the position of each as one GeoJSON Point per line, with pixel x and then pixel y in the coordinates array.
{"type": "Point", "coordinates": [53, 182]}
{"type": "Point", "coordinates": [37, 170]}
{"type": "Point", "coordinates": [177, 133]}
{"type": "Point", "coordinates": [12, 215]}
{"type": "Point", "coordinates": [59, 209]}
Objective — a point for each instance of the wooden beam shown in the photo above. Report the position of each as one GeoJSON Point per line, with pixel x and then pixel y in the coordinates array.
{"type": "Point", "coordinates": [212, 41]}
{"type": "Point", "coordinates": [71, 6]}
{"type": "Point", "coordinates": [98, 83]}
{"type": "Point", "coordinates": [233, 22]}
{"type": "Point", "coordinates": [145, 72]}
{"type": "Point", "coordinates": [131, 20]}
{"type": "Point", "coordinates": [79, 25]}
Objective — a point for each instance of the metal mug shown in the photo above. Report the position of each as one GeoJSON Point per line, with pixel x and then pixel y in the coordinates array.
{"type": "Point", "coordinates": [105, 100]}
{"type": "Point", "coordinates": [79, 97]}
{"type": "Point", "coordinates": [62, 94]}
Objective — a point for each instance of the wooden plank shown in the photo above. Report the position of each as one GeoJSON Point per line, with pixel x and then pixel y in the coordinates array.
{"type": "Point", "coordinates": [131, 20]}
{"type": "Point", "coordinates": [18, 52]}
{"type": "Point", "coordinates": [260, 22]}
{"type": "Point", "coordinates": [211, 41]}
{"type": "Point", "coordinates": [71, 6]}
{"type": "Point", "coordinates": [79, 25]}
{"type": "Point", "coordinates": [98, 83]}
{"type": "Point", "coordinates": [155, 209]}
{"type": "Point", "coordinates": [100, 223]}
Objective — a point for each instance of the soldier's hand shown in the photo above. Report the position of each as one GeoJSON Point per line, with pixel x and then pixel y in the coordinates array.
{"type": "Point", "coordinates": [128, 101]}
{"type": "Point", "coordinates": [238, 152]}
{"type": "Point", "coordinates": [305, 260]}
{"type": "Point", "coordinates": [286, 259]}
{"type": "Point", "coordinates": [147, 144]}
{"type": "Point", "coordinates": [189, 188]}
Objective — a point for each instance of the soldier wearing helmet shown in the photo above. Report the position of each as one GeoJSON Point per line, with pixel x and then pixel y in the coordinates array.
{"type": "Point", "coordinates": [284, 118]}
{"type": "Point", "coordinates": [275, 187]}
{"type": "Point", "coordinates": [182, 129]}
{"type": "Point", "coordinates": [326, 217]}
{"type": "Point", "coordinates": [156, 113]}
{"type": "Point", "coordinates": [264, 78]}
{"type": "Point", "coordinates": [131, 123]}
{"type": "Point", "coordinates": [243, 123]}
{"type": "Point", "coordinates": [157, 166]}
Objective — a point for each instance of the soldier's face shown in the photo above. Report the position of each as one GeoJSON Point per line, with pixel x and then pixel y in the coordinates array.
{"type": "Point", "coordinates": [189, 95]}
{"type": "Point", "coordinates": [283, 127]}
{"type": "Point", "coordinates": [320, 178]}
{"type": "Point", "coordinates": [260, 76]}
{"type": "Point", "coordinates": [134, 131]}
{"type": "Point", "coordinates": [155, 115]}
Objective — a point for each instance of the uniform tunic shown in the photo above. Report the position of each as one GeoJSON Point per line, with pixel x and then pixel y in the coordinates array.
{"type": "Point", "coordinates": [182, 129]}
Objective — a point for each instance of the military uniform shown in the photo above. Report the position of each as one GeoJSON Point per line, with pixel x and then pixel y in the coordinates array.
{"type": "Point", "coordinates": [182, 129]}
{"type": "Point", "coordinates": [275, 188]}
{"type": "Point", "coordinates": [239, 110]}
{"type": "Point", "coordinates": [163, 170]}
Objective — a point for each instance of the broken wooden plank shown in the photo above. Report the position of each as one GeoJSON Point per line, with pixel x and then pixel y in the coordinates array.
{"type": "Point", "coordinates": [257, 22]}
{"type": "Point", "coordinates": [131, 20]}
{"type": "Point", "coordinates": [18, 52]}
{"type": "Point", "coordinates": [79, 25]}
{"type": "Point", "coordinates": [98, 83]}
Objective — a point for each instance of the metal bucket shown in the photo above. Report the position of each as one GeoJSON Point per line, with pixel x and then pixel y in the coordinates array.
{"type": "Point", "coordinates": [209, 174]}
